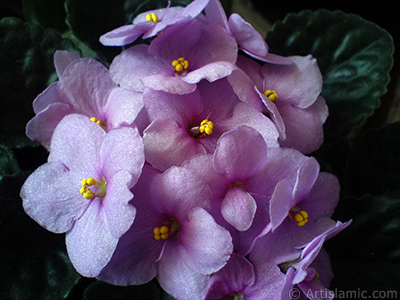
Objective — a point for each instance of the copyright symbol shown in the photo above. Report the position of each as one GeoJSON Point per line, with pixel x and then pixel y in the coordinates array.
{"type": "Point", "coordinates": [294, 294]}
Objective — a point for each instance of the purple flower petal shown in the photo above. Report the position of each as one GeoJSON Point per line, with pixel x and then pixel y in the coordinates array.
{"type": "Point", "coordinates": [279, 206]}
{"type": "Point", "coordinates": [86, 83]}
{"type": "Point", "coordinates": [306, 178]}
{"type": "Point", "coordinates": [123, 107]}
{"type": "Point", "coordinates": [271, 58]}
{"type": "Point", "coordinates": [299, 124]}
{"type": "Point", "coordinates": [133, 64]}
{"type": "Point", "coordinates": [195, 8]}
{"type": "Point", "coordinates": [169, 84]}
{"type": "Point", "coordinates": [207, 245]}
{"type": "Point", "coordinates": [49, 199]}
{"type": "Point", "coordinates": [76, 142]}
{"type": "Point", "coordinates": [211, 72]}
{"type": "Point", "coordinates": [298, 84]}
{"type": "Point", "coordinates": [41, 127]}
{"type": "Point", "coordinates": [246, 36]}
{"type": "Point", "coordinates": [163, 149]}
{"type": "Point", "coordinates": [181, 108]}
{"type": "Point", "coordinates": [240, 153]}
{"type": "Point", "coordinates": [119, 214]}
{"type": "Point", "coordinates": [122, 149]}
{"type": "Point", "coordinates": [178, 190]}
{"type": "Point", "coordinates": [125, 35]}
{"type": "Point", "coordinates": [47, 97]}
{"type": "Point", "coordinates": [323, 197]}
{"type": "Point", "coordinates": [236, 274]}
{"type": "Point", "coordinates": [177, 277]}
{"type": "Point", "coordinates": [238, 208]}
{"type": "Point", "coordinates": [62, 59]}
{"type": "Point", "coordinates": [269, 282]}
{"type": "Point", "coordinates": [245, 89]}
{"type": "Point", "coordinates": [134, 260]}
{"type": "Point", "coordinates": [90, 243]}
{"type": "Point", "coordinates": [245, 115]}
{"type": "Point", "coordinates": [215, 14]}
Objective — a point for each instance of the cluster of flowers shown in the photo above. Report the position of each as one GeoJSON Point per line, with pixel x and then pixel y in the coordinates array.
{"type": "Point", "coordinates": [187, 161]}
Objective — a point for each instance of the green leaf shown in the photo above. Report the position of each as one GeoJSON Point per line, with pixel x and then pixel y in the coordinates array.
{"type": "Point", "coordinates": [26, 52]}
{"type": "Point", "coordinates": [366, 255]}
{"type": "Point", "coordinates": [46, 13]}
{"type": "Point", "coordinates": [361, 280]}
{"type": "Point", "coordinates": [333, 157]}
{"type": "Point", "coordinates": [33, 261]}
{"type": "Point", "coordinates": [89, 19]}
{"type": "Point", "coordinates": [374, 164]}
{"type": "Point", "coordinates": [8, 163]}
{"type": "Point", "coordinates": [103, 291]}
{"type": "Point", "coordinates": [354, 55]}
{"type": "Point", "coordinates": [167, 297]}
{"type": "Point", "coordinates": [373, 234]}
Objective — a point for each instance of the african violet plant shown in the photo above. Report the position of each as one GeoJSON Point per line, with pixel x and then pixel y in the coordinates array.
{"type": "Point", "coordinates": [198, 161]}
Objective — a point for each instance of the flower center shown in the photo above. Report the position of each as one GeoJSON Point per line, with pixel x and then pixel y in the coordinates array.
{"type": "Point", "coordinates": [206, 128]}
{"type": "Point", "coordinates": [237, 184]}
{"type": "Point", "coordinates": [181, 66]}
{"type": "Point", "coordinates": [271, 94]}
{"type": "Point", "coordinates": [236, 296]}
{"type": "Point", "coordinates": [98, 188]}
{"type": "Point", "coordinates": [98, 122]}
{"type": "Point", "coordinates": [169, 228]}
{"type": "Point", "coordinates": [299, 216]}
{"type": "Point", "coordinates": [152, 17]}
{"type": "Point", "coordinates": [316, 275]}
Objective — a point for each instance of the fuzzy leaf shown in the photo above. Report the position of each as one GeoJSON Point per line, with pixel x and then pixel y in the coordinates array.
{"type": "Point", "coordinates": [103, 291]}
{"type": "Point", "coordinates": [354, 55]}
{"type": "Point", "coordinates": [46, 13]}
{"type": "Point", "coordinates": [33, 261]}
{"type": "Point", "coordinates": [369, 246]}
{"type": "Point", "coordinates": [26, 52]}
{"type": "Point", "coordinates": [374, 166]}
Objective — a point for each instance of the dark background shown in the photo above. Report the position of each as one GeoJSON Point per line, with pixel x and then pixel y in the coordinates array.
{"type": "Point", "coordinates": [384, 13]}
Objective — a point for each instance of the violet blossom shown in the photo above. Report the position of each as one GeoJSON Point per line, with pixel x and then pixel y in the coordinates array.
{"type": "Point", "coordinates": [240, 279]}
{"type": "Point", "coordinates": [185, 125]}
{"type": "Point", "coordinates": [289, 94]}
{"type": "Point", "coordinates": [185, 162]}
{"type": "Point", "coordinates": [152, 22]}
{"type": "Point", "coordinates": [84, 87]}
{"type": "Point", "coordinates": [177, 59]}
{"type": "Point", "coordinates": [300, 213]}
{"type": "Point", "coordinates": [173, 236]}
{"type": "Point", "coordinates": [84, 189]}
{"type": "Point", "coordinates": [243, 174]}
{"type": "Point", "coordinates": [301, 272]}
{"type": "Point", "coordinates": [248, 39]}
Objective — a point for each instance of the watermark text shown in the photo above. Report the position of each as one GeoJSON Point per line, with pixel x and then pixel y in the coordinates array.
{"type": "Point", "coordinates": [345, 294]}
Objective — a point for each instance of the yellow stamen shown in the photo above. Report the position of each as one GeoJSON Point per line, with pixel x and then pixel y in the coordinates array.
{"type": "Point", "coordinates": [100, 188]}
{"type": "Point", "coordinates": [316, 275]}
{"type": "Point", "coordinates": [98, 122]}
{"type": "Point", "coordinates": [300, 217]}
{"type": "Point", "coordinates": [161, 233]}
{"type": "Point", "coordinates": [86, 192]}
{"type": "Point", "coordinates": [206, 126]}
{"type": "Point", "coordinates": [236, 296]}
{"type": "Point", "coordinates": [152, 17]}
{"type": "Point", "coordinates": [181, 65]}
{"type": "Point", "coordinates": [271, 94]}
{"type": "Point", "coordinates": [169, 228]}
